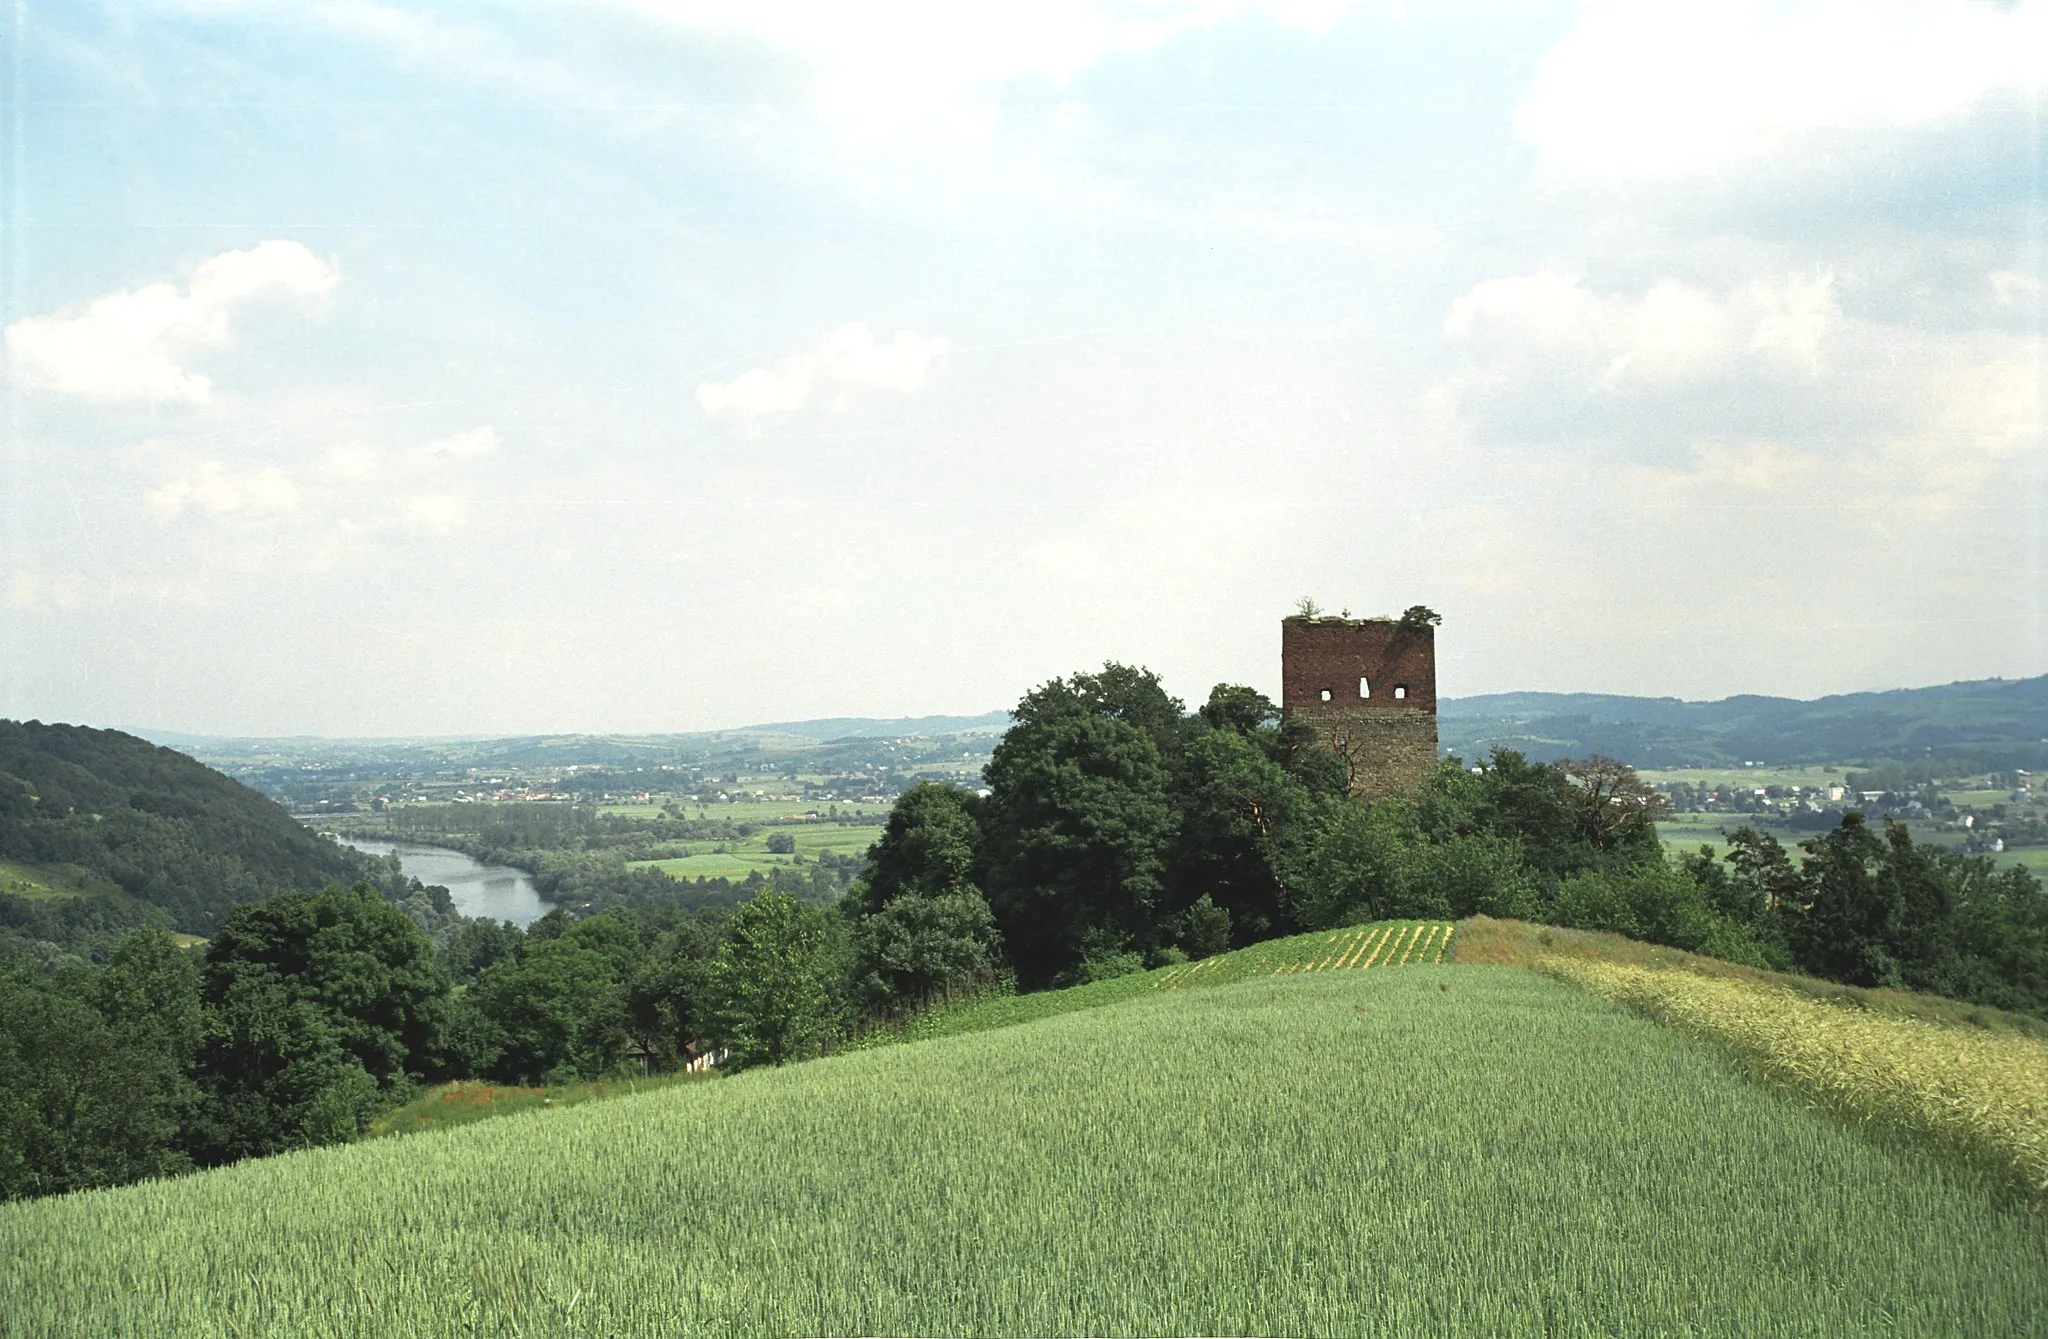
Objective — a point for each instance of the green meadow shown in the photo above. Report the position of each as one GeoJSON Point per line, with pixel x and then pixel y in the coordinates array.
{"type": "Point", "coordinates": [2034, 858]}
{"type": "Point", "coordinates": [737, 858]}
{"type": "Point", "coordinates": [1419, 1149]}
{"type": "Point", "coordinates": [46, 881]}
{"type": "Point", "coordinates": [1813, 774]}
{"type": "Point", "coordinates": [759, 811]}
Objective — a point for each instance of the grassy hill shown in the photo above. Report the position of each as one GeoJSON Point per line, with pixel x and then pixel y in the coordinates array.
{"type": "Point", "coordinates": [1998, 723]}
{"type": "Point", "coordinates": [100, 831]}
{"type": "Point", "coordinates": [1416, 1149]}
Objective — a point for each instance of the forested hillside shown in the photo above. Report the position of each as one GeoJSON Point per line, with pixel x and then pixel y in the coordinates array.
{"type": "Point", "coordinates": [101, 831]}
{"type": "Point", "coordinates": [1984, 725]}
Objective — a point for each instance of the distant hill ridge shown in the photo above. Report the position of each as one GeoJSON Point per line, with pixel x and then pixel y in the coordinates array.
{"type": "Point", "coordinates": [1998, 722]}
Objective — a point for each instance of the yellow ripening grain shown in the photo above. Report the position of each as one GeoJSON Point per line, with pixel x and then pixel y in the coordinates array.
{"type": "Point", "coordinates": [1987, 1091]}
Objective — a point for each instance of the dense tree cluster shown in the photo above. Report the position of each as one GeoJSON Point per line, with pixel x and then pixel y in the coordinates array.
{"type": "Point", "coordinates": [308, 1014]}
{"type": "Point", "coordinates": [1119, 831]}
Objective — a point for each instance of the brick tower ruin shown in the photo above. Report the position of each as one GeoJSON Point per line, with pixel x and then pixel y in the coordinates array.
{"type": "Point", "coordinates": [1367, 686]}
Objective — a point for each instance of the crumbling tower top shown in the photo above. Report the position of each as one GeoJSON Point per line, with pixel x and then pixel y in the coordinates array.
{"type": "Point", "coordinates": [1368, 688]}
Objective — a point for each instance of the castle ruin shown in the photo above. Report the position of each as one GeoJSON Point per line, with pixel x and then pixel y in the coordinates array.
{"type": "Point", "coordinates": [1367, 687]}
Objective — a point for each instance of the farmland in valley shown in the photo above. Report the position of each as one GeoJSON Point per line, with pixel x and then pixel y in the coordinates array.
{"type": "Point", "coordinates": [1421, 1149]}
{"type": "Point", "coordinates": [734, 859]}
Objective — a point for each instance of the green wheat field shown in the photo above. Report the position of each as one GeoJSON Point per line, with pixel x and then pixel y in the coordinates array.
{"type": "Point", "coordinates": [1418, 1149]}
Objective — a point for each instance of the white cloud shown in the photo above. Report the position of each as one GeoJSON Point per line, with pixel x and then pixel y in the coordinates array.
{"type": "Point", "coordinates": [1673, 334]}
{"type": "Point", "coordinates": [217, 490]}
{"type": "Point", "coordinates": [1762, 390]}
{"type": "Point", "coordinates": [1069, 557]}
{"type": "Point", "coordinates": [353, 463]}
{"type": "Point", "coordinates": [1655, 91]}
{"type": "Point", "coordinates": [2015, 288]}
{"type": "Point", "coordinates": [849, 358]}
{"type": "Point", "coordinates": [930, 69]}
{"type": "Point", "coordinates": [33, 590]}
{"type": "Point", "coordinates": [435, 513]}
{"type": "Point", "coordinates": [360, 463]}
{"type": "Point", "coordinates": [467, 445]}
{"type": "Point", "coordinates": [133, 345]}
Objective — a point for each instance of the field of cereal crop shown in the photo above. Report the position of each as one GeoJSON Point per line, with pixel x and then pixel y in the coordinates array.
{"type": "Point", "coordinates": [1418, 1149]}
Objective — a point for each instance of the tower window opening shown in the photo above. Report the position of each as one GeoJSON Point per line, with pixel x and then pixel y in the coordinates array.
{"type": "Point", "coordinates": [1364, 688]}
{"type": "Point", "coordinates": [1400, 691]}
{"type": "Point", "coordinates": [1326, 695]}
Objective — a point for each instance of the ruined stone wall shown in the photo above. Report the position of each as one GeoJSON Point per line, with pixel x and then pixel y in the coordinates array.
{"type": "Point", "coordinates": [1368, 689]}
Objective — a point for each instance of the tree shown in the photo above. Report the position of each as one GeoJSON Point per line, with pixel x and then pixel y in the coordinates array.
{"type": "Point", "coordinates": [478, 943]}
{"type": "Point", "coordinates": [1357, 870]}
{"type": "Point", "coordinates": [781, 843]}
{"type": "Point", "coordinates": [1613, 809]}
{"type": "Point", "coordinates": [1241, 833]}
{"type": "Point", "coordinates": [918, 945]}
{"type": "Point", "coordinates": [557, 1011]}
{"type": "Point", "coordinates": [1562, 826]}
{"type": "Point", "coordinates": [1235, 707]}
{"type": "Point", "coordinates": [930, 846]}
{"type": "Point", "coordinates": [95, 1088]}
{"type": "Point", "coordinates": [352, 955]}
{"type": "Point", "coordinates": [1078, 822]}
{"type": "Point", "coordinates": [1420, 616]}
{"type": "Point", "coordinates": [773, 992]}
{"type": "Point", "coordinates": [669, 998]}
{"type": "Point", "coordinates": [318, 1006]}
{"type": "Point", "coordinates": [1126, 693]}
{"type": "Point", "coordinates": [921, 924]}
{"type": "Point", "coordinates": [1653, 902]}
{"type": "Point", "coordinates": [1841, 929]}
{"type": "Point", "coordinates": [278, 1073]}
{"type": "Point", "coordinates": [1203, 930]}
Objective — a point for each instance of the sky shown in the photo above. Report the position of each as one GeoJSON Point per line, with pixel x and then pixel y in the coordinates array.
{"type": "Point", "coordinates": [659, 365]}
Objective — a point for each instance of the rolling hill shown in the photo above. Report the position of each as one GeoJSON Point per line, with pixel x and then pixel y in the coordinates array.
{"type": "Point", "coordinates": [104, 831]}
{"type": "Point", "coordinates": [1421, 1149]}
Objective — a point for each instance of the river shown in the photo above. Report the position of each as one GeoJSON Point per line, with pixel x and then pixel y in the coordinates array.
{"type": "Point", "coordinates": [497, 891]}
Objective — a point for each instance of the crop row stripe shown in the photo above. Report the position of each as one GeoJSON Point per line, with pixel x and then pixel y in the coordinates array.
{"type": "Point", "coordinates": [1335, 960]}
{"type": "Point", "coordinates": [1175, 979]}
{"type": "Point", "coordinates": [1361, 949]}
{"type": "Point", "coordinates": [1371, 947]}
